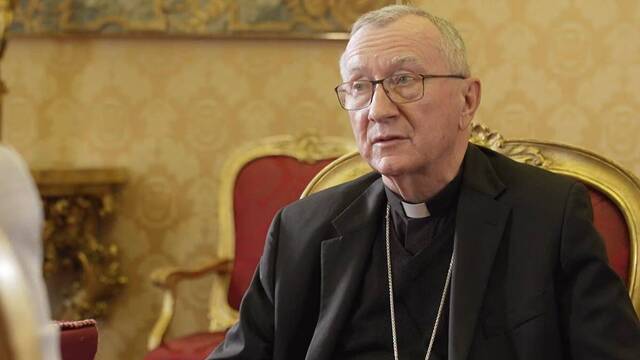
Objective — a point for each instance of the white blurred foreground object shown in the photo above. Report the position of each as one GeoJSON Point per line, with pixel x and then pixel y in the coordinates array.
{"type": "Point", "coordinates": [21, 221]}
{"type": "Point", "coordinates": [18, 334]}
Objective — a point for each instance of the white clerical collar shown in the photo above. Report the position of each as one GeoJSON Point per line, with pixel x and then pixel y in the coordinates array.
{"type": "Point", "coordinates": [416, 211]}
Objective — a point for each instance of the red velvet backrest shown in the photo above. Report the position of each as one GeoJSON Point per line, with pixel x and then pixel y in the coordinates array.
{"type": "Point", "coordinates": [262, 187]}
{"type": "Point", "coordinates": [611, 225]}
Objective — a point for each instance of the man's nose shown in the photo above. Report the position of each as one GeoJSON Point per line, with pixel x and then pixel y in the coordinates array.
{"type": "Point", "coordinates": [381, 107]}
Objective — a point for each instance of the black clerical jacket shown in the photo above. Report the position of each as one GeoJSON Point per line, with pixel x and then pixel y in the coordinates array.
{"type": "Point", "coordinates": [531, 279]}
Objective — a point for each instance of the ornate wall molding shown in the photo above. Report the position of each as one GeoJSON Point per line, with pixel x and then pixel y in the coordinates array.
{"type": "Point", "coordinates": [82, 271]}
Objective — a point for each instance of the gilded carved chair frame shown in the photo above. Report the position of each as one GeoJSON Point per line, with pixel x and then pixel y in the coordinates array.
{"type": "Point", "coordinates": [308, 148]}
{"type": "Point", "coordinates": [18, 327]}
{"type": "Point", "coordinates": [619, 185]}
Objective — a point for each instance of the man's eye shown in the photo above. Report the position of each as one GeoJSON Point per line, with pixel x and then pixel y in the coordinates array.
{"type": "Point", "coordinates": [404, 79]}
{"type": "Point", "coordinates": [359, 86]}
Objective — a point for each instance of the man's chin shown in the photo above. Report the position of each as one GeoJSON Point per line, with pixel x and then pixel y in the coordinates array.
{"type": "Point", "coordinates": [390, 167]}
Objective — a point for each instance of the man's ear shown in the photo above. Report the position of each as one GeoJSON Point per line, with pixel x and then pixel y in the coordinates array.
{"type": "Point", "coordinates": [471, 92]}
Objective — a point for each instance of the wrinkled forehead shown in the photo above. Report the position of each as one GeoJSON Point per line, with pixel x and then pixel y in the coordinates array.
{"type": "Point", "coordinates": [409, 41]}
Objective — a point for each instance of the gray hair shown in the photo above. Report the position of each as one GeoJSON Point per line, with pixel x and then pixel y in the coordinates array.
{"type": "Point", "coordinates": [451, 43]}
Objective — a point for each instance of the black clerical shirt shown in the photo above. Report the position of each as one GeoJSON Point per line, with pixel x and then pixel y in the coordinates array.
{"type": "Point", "coordinates": [420, 254]}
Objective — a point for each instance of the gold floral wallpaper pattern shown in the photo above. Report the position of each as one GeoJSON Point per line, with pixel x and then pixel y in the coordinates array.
{"type": "Point", "coordinates": [171, 110]}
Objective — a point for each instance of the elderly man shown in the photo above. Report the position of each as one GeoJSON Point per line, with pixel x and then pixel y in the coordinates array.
{"type": "Point", "coordinates": [447, 251]}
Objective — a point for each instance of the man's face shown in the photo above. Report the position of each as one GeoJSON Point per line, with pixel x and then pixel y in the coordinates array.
{"type": "Point", "coordinates": [417, 137]}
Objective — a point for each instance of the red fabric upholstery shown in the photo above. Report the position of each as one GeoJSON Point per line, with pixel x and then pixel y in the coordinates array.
{"type": "Point", "coordinates": [262, 187]}
{"type": "Point", "coordinates": [611, 225]}
{"type": "Point", "coordinates": [192, 347]}
{"type": "Point", "coordinates": [78, 339]}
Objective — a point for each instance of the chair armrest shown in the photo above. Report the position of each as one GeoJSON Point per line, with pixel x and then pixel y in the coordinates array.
{"type": "Point", "coordinates": [167, 279]}
{"type": "Point", "coordinates": [170, 276]}
{"type": "Point", "coordinates": [78, 339]}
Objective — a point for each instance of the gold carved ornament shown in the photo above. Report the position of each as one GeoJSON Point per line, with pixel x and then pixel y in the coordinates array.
{"type": "Point", "coordinates": [308, 148]}
{"type": "Point", "coordinates": [619, 185]}
{"type": "Point", "coordinates": [82, 271]}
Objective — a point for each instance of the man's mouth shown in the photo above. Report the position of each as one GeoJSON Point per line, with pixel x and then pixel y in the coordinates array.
{"type": "Point", "coordinates": [387, 139]}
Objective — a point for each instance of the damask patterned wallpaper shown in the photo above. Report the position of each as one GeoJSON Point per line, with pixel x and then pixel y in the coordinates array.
{"type": "Point", "coordinates": [171, 111]}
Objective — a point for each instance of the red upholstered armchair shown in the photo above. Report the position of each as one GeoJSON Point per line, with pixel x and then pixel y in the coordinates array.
{"type": "Point", "coordinates": [256, 181]}
{"type": "Point", "coordinates": [615, 193]}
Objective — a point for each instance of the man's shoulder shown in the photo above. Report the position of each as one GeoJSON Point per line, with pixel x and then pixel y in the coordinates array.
{"type": "Point", "coordinates": [529, 183]}
{"type": "Point", "coordinates": [520, 173]}
{"type": "Point", "coordinates": [330, 202]}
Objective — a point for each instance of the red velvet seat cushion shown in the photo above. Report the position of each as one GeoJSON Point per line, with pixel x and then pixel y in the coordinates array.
{"type": "Point", "coordinates": [191, 347]}
{"type": "Point", "coordinates": [611, 225]}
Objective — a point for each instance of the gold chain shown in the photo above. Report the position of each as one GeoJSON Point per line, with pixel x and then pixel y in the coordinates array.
{"type": "Point", "coordinates": [391, 303]}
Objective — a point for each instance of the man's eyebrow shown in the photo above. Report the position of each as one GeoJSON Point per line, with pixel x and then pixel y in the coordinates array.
{"type": "Point", "coordinates": [351, 70]}
{"type": "Point", "coordinates": [396, 61]}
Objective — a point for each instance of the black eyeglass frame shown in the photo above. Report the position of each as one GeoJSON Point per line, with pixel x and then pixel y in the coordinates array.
{"type": "Point", "coordinates": [374, 83]}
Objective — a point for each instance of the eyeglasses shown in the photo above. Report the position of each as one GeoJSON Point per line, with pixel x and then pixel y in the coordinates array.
{"type": "Point", "coordinates": [400, 88]}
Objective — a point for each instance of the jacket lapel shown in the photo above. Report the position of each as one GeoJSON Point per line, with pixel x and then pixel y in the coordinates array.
{"type": "Point", "coordinates": [343, 261]}
{"type": "Point", "coordinates": [480, 223]}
